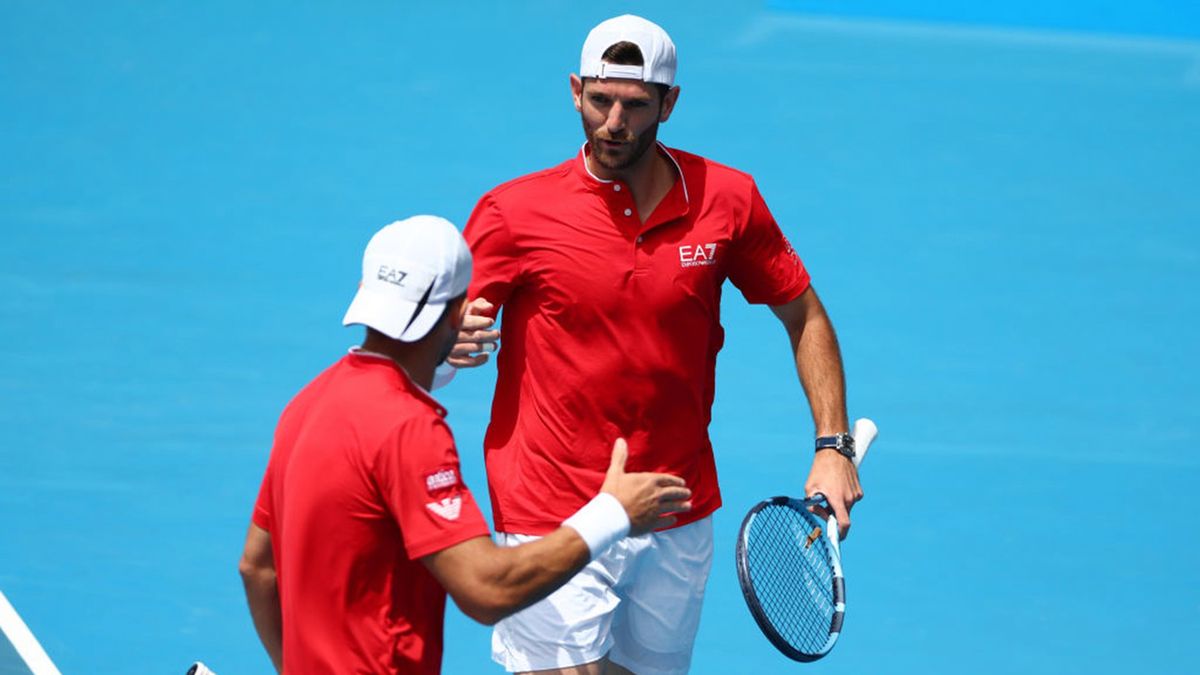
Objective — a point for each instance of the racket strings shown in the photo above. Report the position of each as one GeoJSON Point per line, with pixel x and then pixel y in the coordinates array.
{"type": "Point", "coordinates": [792, 578]}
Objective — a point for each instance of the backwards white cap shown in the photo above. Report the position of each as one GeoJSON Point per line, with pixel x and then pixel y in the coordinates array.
{"type": "Point", "coordinates": [410, 270]}
{"type": "Point", "coordinates": [658, 52]}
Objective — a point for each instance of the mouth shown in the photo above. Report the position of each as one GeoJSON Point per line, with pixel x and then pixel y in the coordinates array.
{"type": "Point", "coordinates": [611, 145]}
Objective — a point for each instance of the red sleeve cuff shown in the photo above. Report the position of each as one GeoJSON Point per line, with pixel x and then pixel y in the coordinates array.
{"type": "Point", "coordinates": [261, 519]}
{"type": "Point", "coordinates": [442, 541]}
{"type": "Point", "coordinates": [784, 295]}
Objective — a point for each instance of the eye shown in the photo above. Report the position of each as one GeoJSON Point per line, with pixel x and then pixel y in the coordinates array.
{"type": "Point", "coordinates": [598, 99]}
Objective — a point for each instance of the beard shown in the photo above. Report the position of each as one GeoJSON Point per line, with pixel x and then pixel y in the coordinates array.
{"type": "Point", "coordinates": [631, 151]}
{"type": "Point", "coordinates": [447, 348]}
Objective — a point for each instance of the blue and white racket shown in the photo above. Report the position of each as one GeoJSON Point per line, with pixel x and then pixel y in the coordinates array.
{"type": "Point", "coordinates": [790, 568]}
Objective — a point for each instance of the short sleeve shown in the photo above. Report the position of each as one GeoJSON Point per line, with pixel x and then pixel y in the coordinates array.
{"type": "Point", "coordinates": [264, 512]}
{"type": "Point", "coordinates": [764, 266]}
{"type": "Point", "coordinates": [419, 477]}
{"type": "Point", "coordinates": [493, 252]}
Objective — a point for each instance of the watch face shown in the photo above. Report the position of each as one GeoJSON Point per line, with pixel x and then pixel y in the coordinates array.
{"type": "Point", "coordinates": [845, 445]}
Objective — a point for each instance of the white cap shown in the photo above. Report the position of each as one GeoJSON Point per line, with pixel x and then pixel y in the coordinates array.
{"type": "Point", "coordinates": [658, 52]}
{"type": "Point", "coordinates": [410, 270]}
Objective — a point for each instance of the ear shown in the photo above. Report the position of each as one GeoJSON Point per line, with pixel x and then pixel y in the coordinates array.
{"type": "Point", "coordinates": [577, 92]}
{"type": "Point", "coordinates": [668, 103]}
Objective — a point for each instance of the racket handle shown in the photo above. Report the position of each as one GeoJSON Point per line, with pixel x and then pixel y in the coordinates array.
{"type": "Point", "coordinates": [864, 434]}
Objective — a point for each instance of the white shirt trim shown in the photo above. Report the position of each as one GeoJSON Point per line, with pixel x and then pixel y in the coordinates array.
{"type": "Point", "coordinates": [666, 151]}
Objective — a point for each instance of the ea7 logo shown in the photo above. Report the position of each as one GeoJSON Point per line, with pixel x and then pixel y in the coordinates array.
{"type": "Point", "coordinates": [391, 275]}
{"type": "Point", "coordinates": [695, 256]}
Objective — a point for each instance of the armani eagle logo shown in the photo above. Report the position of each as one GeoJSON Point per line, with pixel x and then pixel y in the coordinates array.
{"type": "Point", "coordinates": [448, 508]}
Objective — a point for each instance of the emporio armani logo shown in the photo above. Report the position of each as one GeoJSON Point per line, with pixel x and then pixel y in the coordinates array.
{"type": "Point", "coordinates": [443, 478]}
{"type": "Point", "coordinates": [448, 508]}
{"type": "Point", "coordinates": [791, 251]}
{"type": "Point", "coordinates": [698, 255]}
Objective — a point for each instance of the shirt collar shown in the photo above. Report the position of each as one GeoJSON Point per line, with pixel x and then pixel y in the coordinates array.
{"type": "Point", "coordinates": [595, 181]}
{"type": "Point", "coordinates": [416, 389]}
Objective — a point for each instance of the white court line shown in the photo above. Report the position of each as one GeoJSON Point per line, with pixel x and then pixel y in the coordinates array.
{"type": "Point", "coordinates": [929, 447]}
{"type": "Point", "coordinates": [27, 646]}
{"type": "Point", "coordinates": [766, 26]}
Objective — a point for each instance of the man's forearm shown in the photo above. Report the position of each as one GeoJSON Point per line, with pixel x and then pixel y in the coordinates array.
{"type": "Point", "coordinates": [818, 360]}
{"type": "Point", "coordinates": [819, 364]}
{"type": "Point", "coordinates": [262, 594]}
{"type": "Point", "coordinates": [489, 583]}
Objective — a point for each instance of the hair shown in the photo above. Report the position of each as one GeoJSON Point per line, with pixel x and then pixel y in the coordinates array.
{"type": "Point", "coordinates": [625, 53]}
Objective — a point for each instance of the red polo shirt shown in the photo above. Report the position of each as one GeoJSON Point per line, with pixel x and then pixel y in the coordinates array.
{"type": "Point", "coordinates": [363, 481]}
{"type": "Point", "coordinates": [611, 327]}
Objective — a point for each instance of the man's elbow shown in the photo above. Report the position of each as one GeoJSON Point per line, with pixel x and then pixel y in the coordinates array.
{"type": "Point", "coordinates": [488, 607]}
{"type": "Point", "coordinates": [246, 568]}
{"type": "Point", "coordinates": [254, 571]}
{"type": "Point", "coordinates": [487, 617]}
{"type": "Point", "coordinates": [258, 561]}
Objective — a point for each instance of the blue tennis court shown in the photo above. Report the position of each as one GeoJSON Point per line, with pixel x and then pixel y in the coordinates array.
{"type": "Point", "coordinates": [999, 206]}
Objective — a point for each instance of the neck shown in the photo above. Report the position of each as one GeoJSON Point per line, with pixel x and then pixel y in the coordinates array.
{"type": "Point", "coordinates": [412, 357]}
{"type": "Point", "coordinates": [642, 174]}
{"type": "Point", "coordinates": [649, 178]}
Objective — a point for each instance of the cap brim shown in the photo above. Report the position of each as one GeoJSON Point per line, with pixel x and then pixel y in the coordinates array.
{"type": "Point", "coordinates": [392, 316]}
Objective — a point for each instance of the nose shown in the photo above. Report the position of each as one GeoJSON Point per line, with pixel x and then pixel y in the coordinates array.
{"type": "Point", "coordinates": [616, 118]}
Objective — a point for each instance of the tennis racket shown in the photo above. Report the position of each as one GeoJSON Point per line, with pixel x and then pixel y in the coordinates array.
{"type": "Point", "coordinates": [790, 569]}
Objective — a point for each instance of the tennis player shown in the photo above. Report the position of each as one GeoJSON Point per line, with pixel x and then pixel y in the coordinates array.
{"type": "Point", "coordinates": [363, 522]}
{"type": "Point", "coordinates": [609, 269]}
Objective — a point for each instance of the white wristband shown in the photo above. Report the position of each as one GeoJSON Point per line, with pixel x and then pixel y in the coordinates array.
{"type": "Point", "coordinates": [601, 522]}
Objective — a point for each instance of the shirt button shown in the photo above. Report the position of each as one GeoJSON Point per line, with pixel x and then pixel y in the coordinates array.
{"type": "Point", "coordinates": [640, 238]}
{"type": "Point", "coordinates": [617, 188]}
{"type": "Point", "coordinates": [629, 212]}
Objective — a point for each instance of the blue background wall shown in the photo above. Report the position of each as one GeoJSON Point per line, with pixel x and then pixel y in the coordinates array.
{"type": "Point", "coordinates": [999, 206]}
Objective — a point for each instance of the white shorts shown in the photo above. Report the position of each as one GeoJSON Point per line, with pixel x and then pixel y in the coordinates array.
{"type": "Point", "coordinates": [639, 603]}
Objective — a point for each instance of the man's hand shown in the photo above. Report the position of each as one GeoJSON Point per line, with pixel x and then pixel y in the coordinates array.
{"type": "Point", "coordinates": [648, 498]}
{"type": "Point", "coordinates": [835, 476]}
{"type": "Point", "coordinates": [475, 340]}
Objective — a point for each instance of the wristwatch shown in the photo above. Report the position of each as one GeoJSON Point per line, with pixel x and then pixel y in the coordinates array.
{"type": "Point", "coordinates": [843, 443]}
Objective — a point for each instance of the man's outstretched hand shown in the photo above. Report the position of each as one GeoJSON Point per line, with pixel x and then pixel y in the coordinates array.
{"type": "Point", "coordinates": [648, 498]}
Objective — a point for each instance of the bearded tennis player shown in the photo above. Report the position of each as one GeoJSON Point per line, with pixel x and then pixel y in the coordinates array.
{"type": "Point", "coordinates": [608, 269]}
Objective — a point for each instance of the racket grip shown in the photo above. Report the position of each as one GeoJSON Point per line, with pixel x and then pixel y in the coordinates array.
{"type": "Point", "coordinates": [864, 434]}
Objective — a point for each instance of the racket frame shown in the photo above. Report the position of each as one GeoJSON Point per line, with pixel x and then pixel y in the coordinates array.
{"type": "Point", "coordinates": [864, 434]}
{"type": "Point", "coordinates": [829, 529]}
